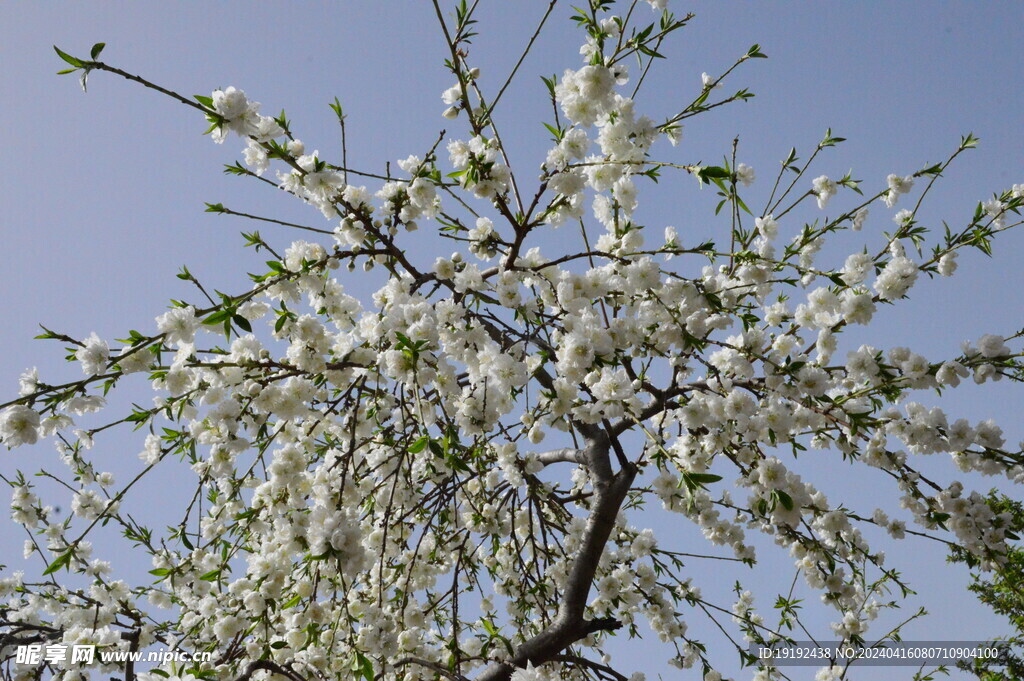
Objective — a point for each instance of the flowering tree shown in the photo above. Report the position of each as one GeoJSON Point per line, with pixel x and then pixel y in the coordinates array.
{"type": "Point", "coordinates": [372, 496]}
{"type": "Point", "coordinates": [1002, 592]}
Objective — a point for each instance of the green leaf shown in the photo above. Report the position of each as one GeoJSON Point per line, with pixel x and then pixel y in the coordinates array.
{"type": "Point", "coordinates": [74, 61]}
{"type": "Point", "coordinates": [242, 323]}
{"type": "Point", "coordinates": [711, 173]}
{"type": "Point", "coordinates": [456, 463]}
{"type": "Point", "coordinates": [704, 477]}
{"type": "Point", "coordinates": [554, 131]}
{"type": "Point", "coordinates": [96, 49]}
{"type": "Point", "coordinates": [45, 336]}
{"type": "Point", "coordinates": [831, 141]}
{"type": "Point", "coordinates": [336, 107]}
{"type": "Point", "coordinates": [651, 52]}
{"type": "Point", "coordinates": [489, 626]}
{"type": "Point", "coordinates": [550, 83]}
{"type": "Point", "coordinates": [743, 206]}
{"type": "Point", "coordinates": [419, 445]}
{"type": "Point", "coordinates": [785, 500]}
{"type": "Point", "coordinates": [61, 561]}
{"type": "Point", "coordinates": [364, 666]}
{"type": "Point", "coordinates": [755, 52]}
{"type": "Point", "coordinates": [217, 317]}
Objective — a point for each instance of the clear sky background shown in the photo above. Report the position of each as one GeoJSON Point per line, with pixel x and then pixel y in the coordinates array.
{"type": "Point", "coordinates": [103, 192]}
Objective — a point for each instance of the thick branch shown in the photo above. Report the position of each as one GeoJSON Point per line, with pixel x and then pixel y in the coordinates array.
{"type": "Point", "coordinates": [133, 645]}
{"type": "Point", "coordinates": [609, 498]}
{"type": "Point", "coordinates": [569, 625]}
{"type": "Point", "coordinates": [565, 455]}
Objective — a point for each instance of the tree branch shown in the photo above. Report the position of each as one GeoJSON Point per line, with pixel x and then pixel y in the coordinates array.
{"type": "Point", "coordinates": [601, 669]}
{"type": "Point", "coordinates": [267, 665]}
{"type": "Point", "coordinates": [569, 625]}
{"type": "Point", "coordinates": [440, 669]}
{"type": "Point", "coordinates": [565, 455]}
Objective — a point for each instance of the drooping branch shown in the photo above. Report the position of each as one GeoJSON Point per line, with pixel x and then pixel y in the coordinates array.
{"type": "Point", "coordinates": [601, 670]}
{"type": "Point", "coordinates": [433, 666]}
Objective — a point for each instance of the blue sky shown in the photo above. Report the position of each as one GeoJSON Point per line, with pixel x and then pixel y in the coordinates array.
{"type": "Point", "coordinates": [104, 191]}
